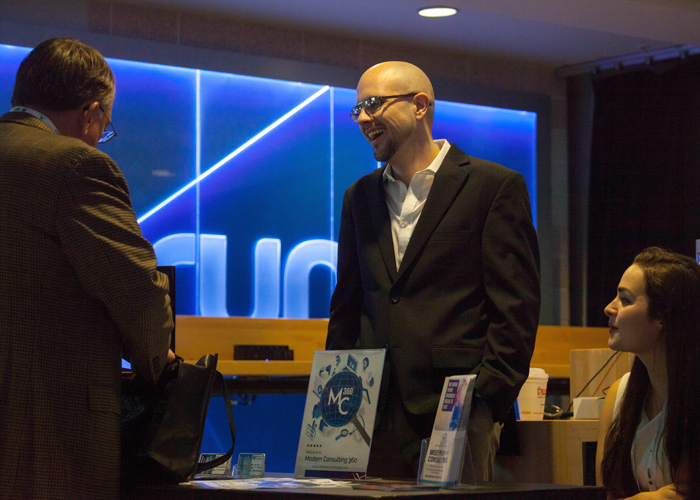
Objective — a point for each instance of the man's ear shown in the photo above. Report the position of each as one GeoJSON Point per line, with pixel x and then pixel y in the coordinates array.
{"type": "Point", "coordinates": [90, 112]}
{"type": "Point", "coordinates": [422, 103]}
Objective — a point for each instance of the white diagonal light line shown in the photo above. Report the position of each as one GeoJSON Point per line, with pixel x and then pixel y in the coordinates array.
{"type": "Point", "coordinates": [234, 153]}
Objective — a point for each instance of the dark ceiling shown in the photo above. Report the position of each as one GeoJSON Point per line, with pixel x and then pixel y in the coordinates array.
{"type": "Point", "coordinates": [551, 32]}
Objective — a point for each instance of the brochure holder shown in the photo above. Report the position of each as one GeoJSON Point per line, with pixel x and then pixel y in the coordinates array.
{"type": "Point", "coordinates": [446, 459]}
{"type": "Point", "coordinates": [467, 477]}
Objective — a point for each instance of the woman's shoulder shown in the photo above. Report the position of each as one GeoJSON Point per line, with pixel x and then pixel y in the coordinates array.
{"type": "Point", "coordinates": [604, 423]}
{"type": "Point", "coordinates": [618, 391]}
{"type": "Point", "coordinates": [613, 401]}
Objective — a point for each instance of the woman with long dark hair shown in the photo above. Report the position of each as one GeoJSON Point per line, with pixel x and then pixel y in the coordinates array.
{"type": "Point", "coordinates": [649, 434]}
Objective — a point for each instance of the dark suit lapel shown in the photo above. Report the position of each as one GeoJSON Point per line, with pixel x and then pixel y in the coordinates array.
{"type": "Point", "coordinates": [448, 182]}
{"type": "Point", "coordinates": [381, 221]}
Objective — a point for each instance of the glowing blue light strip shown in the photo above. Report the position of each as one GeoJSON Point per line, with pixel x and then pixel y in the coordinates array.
{"type": "Point", "coordinates": [332, 186]}
{"type": "Point", "coordinates": [197, 172]}
{"type": "Point", "coordinates": [332, 164]}
{"type": "Point", "coordinates": [235, 153]}
{"type": "Point", "coordinates": [198, 123]}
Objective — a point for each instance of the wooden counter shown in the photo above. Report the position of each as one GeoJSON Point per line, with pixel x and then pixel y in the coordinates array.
{"type": "Point", "coordinates": [553, 344]}
{"type": "Point", "coordinates": [197, 336]}
{"type": "Point", "coordinates": [552, 451]}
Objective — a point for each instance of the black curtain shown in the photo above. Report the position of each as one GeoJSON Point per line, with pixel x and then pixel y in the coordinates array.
{"type": "Point", "coordinates": [645, 173]}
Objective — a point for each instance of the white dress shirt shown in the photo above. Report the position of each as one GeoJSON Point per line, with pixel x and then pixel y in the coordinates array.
{"type": "Point", "coordinates": [406, 204]}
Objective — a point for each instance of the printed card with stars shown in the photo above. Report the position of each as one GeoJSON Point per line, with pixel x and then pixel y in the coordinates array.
{"type": "Point", "coordinates": [341, 404]}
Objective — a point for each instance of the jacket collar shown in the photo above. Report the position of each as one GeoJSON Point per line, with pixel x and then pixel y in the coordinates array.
{"type": "Point", "coordinates": [25, 119]}
{"type": "Point", "coordinates": [449, 180]}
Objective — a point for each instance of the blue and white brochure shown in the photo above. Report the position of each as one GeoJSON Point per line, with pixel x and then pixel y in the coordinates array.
{"type": "Point", "coordinates": [341, 404]}
{"type": "Point", "coordinates": [443, 461]}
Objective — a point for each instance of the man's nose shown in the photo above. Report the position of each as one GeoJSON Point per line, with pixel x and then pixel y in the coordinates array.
{"type": "Point", "coordinates": [364, 116]}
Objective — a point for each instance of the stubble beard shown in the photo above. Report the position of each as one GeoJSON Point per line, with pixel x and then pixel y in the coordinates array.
{"type": "Point", "coordinates": [385, 153]}
{"type": "Point", "coordinates": [394, 140]}
{"type": "Point", "coordinates": [390, 148]}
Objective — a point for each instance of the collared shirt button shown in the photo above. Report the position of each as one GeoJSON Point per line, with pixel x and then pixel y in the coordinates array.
{"type": "Point", "coordinates": [404, 223]}
{"type": "Point", "coordinates": [395, 299]}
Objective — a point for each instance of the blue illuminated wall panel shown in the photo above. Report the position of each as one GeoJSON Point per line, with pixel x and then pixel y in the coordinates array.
{"type": "Point", "coordinates": [239, 180]}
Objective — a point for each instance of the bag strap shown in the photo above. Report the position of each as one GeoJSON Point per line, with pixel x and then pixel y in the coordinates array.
{"type": "Point", "coordinates": [227, 402]}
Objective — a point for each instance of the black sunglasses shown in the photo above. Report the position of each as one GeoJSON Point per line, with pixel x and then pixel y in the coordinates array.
{"type": "Point", "coordinates": [374, 104]}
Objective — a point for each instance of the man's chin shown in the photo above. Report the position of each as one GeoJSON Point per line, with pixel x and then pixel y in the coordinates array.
{"type": "Point", "coordinates": [382, 155]}
{"type": "Point", "coordinates": [383, 152]}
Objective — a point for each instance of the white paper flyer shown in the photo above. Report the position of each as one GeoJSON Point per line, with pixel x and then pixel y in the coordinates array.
{"type": "Point", "coordinates": [341, 404]}
{"type": "Point", "coordinates": [443, 460]}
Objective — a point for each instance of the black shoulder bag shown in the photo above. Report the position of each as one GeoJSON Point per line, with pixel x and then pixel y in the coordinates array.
{"type": "Point", "coordinates": [162, 427]}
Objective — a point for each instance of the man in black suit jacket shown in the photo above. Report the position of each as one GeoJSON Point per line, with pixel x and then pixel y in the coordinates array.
{"type": "Point", "coordinates": [438, 262]}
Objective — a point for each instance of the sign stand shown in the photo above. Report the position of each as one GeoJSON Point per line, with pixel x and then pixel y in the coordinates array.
{"type": "Point", "coordinates": [446, 455]}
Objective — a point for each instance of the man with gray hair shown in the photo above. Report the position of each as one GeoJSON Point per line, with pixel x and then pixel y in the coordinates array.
{"type": "Point", "coordinates": [78, 282]}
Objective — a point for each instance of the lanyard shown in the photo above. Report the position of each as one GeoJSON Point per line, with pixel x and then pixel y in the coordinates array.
{"type": "Point", "coordinates": [38, 115]}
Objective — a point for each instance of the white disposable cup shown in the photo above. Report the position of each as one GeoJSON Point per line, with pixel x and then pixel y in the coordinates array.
{"type": "Point", "coordinates": [532, 395]}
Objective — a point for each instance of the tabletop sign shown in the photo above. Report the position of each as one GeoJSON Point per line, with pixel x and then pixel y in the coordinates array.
{"type": "Point", "coordinates": [341, 403]}
{"type": "Point", "coordinates": [442, 463]}
{"type": "Point", "coordinates": [222, 470]}
{"type": "Point", "coordinates": [250, 465]}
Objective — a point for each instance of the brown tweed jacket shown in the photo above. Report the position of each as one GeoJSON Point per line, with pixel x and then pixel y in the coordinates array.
{"type": "Point", "coordinates": [77, 282]}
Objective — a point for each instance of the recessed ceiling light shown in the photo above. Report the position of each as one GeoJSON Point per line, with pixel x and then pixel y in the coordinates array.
{"type": "Point", "coordinates": [437, 12]}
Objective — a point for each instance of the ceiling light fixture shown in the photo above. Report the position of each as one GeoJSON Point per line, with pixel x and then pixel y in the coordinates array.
{"type": "Point", "coordinates": [437, 12]}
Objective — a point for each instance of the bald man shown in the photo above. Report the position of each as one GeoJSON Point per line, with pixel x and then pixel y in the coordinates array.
{"type": "Point", "coordinates": [438, 262]}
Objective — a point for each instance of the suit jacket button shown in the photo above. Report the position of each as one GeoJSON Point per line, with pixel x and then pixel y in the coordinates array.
{"type": "Point", "coordinates": [395, 299]}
